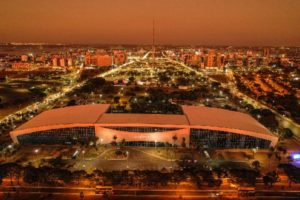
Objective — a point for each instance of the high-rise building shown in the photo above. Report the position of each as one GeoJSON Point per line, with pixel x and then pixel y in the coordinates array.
{"type": "Point", "coordinates": [24, 58]}
{"type": "Point", "coordinates": [119, 57]}
{"type": "Point", "coordinates": [104, 60]}
{"type": "Point", "coordinates": [54, 62]}
{"type": "Point", "coordinates": [220, 61]}
{"type": "Point", "coordinates": [62, 62]}
{"type": "Point", "coordinates": [211, 59]}
{"type": "Point", "coordinates": [195, 60]}
{"type": "Point", "coordinates": [266, 52]}
{"type": "Point", "coordinates": [100, 59]}
{"type": "Point", "coordinates": [90, 59]}
{"type": "Point", "coordinates": [70, 62]}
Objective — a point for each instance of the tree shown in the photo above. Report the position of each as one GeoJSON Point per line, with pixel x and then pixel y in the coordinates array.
{"type": "Point", "coordinates": [183, 143]}
{"type": "Point", "coordinates": [182, 81]}
{"type": "Point", "coordinates": [31, 175]}
{"type": "Point", "coordinates": [116, 99]}
{"type": "Point", "coordinates": [78, 175]}
{"type": "Point", "coordinates": [99, 81]}
{"type": "Point", "coordinates": [123, 143]}
{"type": "Point", "coordinates": [256, 165]}
{"type": "Point", "coordinates": [131, 79]}
{"type": "Point", "coordinates": [215, 85]}
{"type": "Point", "coordinates": [11, 170]}
{"type": "Point", "coordinates": [95, 140]}
{"type": "Point", "coordinates": [269, 154]}
{"type": "Point", "coordinates": [270, 178]}
{"type": "Point", "coordinates": [114, 142]}
{"type": "Point", "coordinates": [98, 176]}
{"type": "Point", "coordinates": [72, 102]}
{"type": "Point", "coordinates": [287, 133]}
{"type": "Point", "coordinates": [64, 175]}
{"type": "Point", "coordinates": [163, 77]}
{"type": "Point", "coordinates": [57, 162]}
{"type": "Point", "coordinates": [81, 195]}
{"type": "Point", "coordinates": [292, 172]}
{"type": "Point", "coordinates": [174, 140]}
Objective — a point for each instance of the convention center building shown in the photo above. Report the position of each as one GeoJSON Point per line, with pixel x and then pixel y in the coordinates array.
{"type": "Point", "coordinates": [198, 126]}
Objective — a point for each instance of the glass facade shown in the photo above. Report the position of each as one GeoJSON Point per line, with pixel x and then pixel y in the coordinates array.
{"type": "Point", "coordinates": [74, 135]}
{"type": "Point", "coordinates": [221, 139]}
{"type": "Point", "coordinates": [142, 129]}
{"type": "Point", "coordinates": [144, 144]}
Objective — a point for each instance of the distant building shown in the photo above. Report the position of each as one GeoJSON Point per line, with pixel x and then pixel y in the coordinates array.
{"type": "Point", "coordinates": [211, 59]}
{"type": "Point", "coordinates": [101, 60]}
{"type": "Point", "coordinates": [220, 61]}
{"type": "Point", "coordinates": [104, 60]}
{"type": "Point", "coordinates": [91, 59]}
{"type": "Point", "coordinates": [24, 58]}
{"type": "Point", "coordinates": [119, 57]}
{"type": "Point", "coordinates": [22, 66]}
{"type": "Point", "coordinates": [195, 60]}
{"type": "Point", "coordinates": [70, 62]}
{"type": "Point", "coordinates": [62, 62]}
{"type": "Point", "coordinates": [266, 52]}
{"type": "Point", "coordinates": [54, 62]}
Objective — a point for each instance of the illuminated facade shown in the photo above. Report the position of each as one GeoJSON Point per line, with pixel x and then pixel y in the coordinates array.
{"type": "Point", "coordinates": [99, 60]}
{"type": "Point", "coordinates": [197, 126]}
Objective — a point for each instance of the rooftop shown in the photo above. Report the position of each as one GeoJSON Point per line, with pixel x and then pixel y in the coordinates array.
{"type": "Point", "coordinates": [133, 118]}
{"type": "Point", "coordinates": [193, 116]}
{"type": "Point", "coordinates": [83, 114]}
{"type": "Point", "coordinates": [216, 117]}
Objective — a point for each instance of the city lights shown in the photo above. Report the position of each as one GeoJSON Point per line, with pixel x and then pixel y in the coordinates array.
{"type": "Point", "coordinates": [149, 99]}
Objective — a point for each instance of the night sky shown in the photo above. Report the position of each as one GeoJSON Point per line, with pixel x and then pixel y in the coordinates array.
{"type": "Point", "coordinates": [191, 22]}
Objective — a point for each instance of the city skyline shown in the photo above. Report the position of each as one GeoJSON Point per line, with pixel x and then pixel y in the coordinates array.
{"type": "Point", "coordinates": [237, 23]}
{"type": "Point", "coordinates": [149, 99]}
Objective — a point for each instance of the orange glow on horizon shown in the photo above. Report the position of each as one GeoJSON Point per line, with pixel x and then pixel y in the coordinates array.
{"type": "Point", "coordinates": [231, 22]}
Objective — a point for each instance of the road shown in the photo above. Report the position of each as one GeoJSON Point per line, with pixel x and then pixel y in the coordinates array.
{"type": "Point", "coordinates": [57, 193]}
{"type": "Point", "coordinates": [284, 121]}
{"type": "Point", "coordinates": [89, 193]}
{"type": "Point", "coordinates": [48, 101]}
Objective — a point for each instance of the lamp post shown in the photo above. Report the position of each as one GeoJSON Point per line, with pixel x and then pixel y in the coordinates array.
{"type": "Point", "coordinates": [254, 150]}
{"type": "Point", "coordinates": [83, 152]}
{"type": "Point", "coordinates": [127, 155]}
{"type": "Point", "coordinates": [36, 151]}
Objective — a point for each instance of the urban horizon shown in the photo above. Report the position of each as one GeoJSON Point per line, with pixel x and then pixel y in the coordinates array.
{"type": "Point", "coordinates": [152, 99]}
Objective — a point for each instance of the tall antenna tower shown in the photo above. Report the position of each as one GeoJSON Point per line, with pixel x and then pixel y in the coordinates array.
{"type": "Point", "coordinates": [153, 39]}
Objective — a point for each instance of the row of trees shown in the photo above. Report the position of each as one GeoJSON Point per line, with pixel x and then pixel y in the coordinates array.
{"type": "Point", "coordinates": [52, 176]}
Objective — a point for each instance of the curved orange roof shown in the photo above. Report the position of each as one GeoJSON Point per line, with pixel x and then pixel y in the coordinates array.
{"type": "Point", "coordinates": [83, 114]}
{"type": "Point", "coordinates": [193, 117]}
{"type": "Point", "coordinates": [216, 117]}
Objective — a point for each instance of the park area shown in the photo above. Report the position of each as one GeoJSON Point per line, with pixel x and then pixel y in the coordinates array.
{"type": "Point", "coordinates": [19, 93]}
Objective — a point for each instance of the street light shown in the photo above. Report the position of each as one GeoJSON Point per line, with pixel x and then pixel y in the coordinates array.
{"type": "Point", "coordinates": [127, 154]}
{"type": "Point", "coordinates": [254, 151]}
{"type": "Point", "coordinates": [83, 152]}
